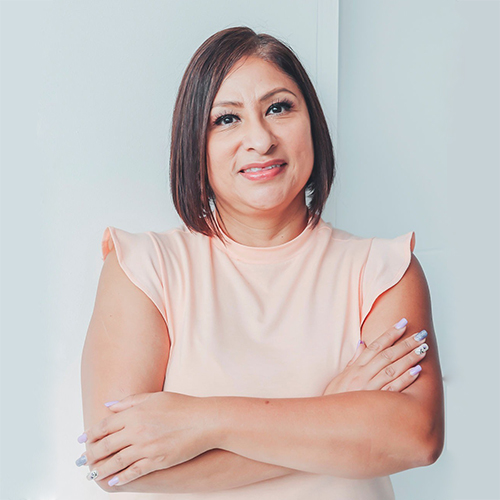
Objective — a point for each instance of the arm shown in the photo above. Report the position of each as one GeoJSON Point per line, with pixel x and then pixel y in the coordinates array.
{"type": "Point", "coordinates": [126, 352]}
{"type": "Point", "coordinates": [353, 434]}
{"type": "Point", "coordinates": [214, 470]}
{"type": "Point", "coordinates": [214, 445]}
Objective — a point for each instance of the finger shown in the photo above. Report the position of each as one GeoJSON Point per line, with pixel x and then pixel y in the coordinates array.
{"type": "Point", "coordinates": [404, 381]}
{"type": "Point", "coordinates": [134, 471]}
{"type": "Point", "coordinates": [106, 469]}
{"type": "Point", "coordinates": [106, 447]}
{"type": "Point", "coordinates": [127, 402]}
{"type": "Point", "coordinates": [104, 428]}
{"type": "Point", "coordinates": [385, 340]}
{"type": "Point", "coordinates": [395, 370]}
{"type": "Point", "coordinates": [392, 361]}
{"type": "Point", "coordinates": [114, 406]}
{"type": "Point", "coordinates": [359, 349]}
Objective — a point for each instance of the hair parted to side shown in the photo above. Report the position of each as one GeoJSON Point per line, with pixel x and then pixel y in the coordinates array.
{"type": "Point", "coordinates": [191, 191]}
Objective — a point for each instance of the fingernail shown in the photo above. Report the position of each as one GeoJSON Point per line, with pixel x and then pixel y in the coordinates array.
{"type": "Point", "coordinates": [401, 323]}
{"type": "Point", "coordinates": [111, 403]}
{"type": "Point", "coordinates": [113, 481]}
{"type": "Point", "coordinates": [82, 438]}
{"type": "Point", "coordinates": [92, 475]}
{"type": "Point", "coordinates": [421, 349]}
{"type": "Point", "coordinates": [420, 335]}
{"type": "Point", "coordinates": [415, 370]}
{"type": "Point", "coordinates": [81, 461]}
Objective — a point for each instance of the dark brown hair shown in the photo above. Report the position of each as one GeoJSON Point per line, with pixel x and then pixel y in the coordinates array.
{"type": "Point", "coordinates": [191, 191]}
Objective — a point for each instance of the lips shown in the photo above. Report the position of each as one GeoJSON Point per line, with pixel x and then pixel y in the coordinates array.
{"type": "Point", "coordinates": [275, 161]}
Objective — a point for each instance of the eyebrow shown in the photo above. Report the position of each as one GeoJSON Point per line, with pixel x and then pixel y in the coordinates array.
{"type": "Point", "coordinates": [263, 98]}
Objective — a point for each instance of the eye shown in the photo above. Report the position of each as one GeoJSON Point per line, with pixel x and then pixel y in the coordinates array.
{"type": "Point", "coordinates": [224, 119]}
{"type": "Point", "coordinates": [280, 106]}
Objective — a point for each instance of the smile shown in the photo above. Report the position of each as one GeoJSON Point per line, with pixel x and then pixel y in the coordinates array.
{"type": "Point", "coordinates": [263, 173]}
{"type": "Point", "coordinates": [266, 165]}
{"type": "Point", "coordinates": [256, 169]}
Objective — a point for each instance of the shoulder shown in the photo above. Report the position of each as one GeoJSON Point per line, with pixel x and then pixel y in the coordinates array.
{"type": "Point", "coordinates": [126, 300]}
{"type": "Point", "coordinates": [341, 241]}
{"type": "Point", "coordinates": [179, 239]}
{"type": "Point", "coordinates": [338, 234]}
{"type": "Point", "coordinates": [141, 259]}
{"type": "Point", "coordinates": [409, 298]}
{"type": "Point", "coordinates": [379, 260]}
{"type": "Point", "coordinates": [152, 242]}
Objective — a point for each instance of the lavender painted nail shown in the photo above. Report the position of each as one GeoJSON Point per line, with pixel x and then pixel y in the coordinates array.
{"type": "Point", "coordinates": [401, 323]}
{"type": "Point", "coordinates": [113, 481]}
{"type": "Point", "coordinates": [81, 461]}
{"type": "Point", "coordinates": [415, 370]}
{"type": "Point", "coordinates": [111, 403]}
{"type": "Point", "coordinates": [82, 438]}
{"type": "Point", "coordinates": [420, 335]}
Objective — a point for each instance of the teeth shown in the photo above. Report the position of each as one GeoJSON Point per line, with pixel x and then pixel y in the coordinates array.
{"type": "Point", "coordinates": [256, 169]}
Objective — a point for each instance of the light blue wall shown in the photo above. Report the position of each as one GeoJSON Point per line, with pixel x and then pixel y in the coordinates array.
{"type": "Point", "coordinates": [88, 90]}
{"type": "Point", "coordinates": [418, 149]}
{"type": "Point", "coordinates": [87, 94]}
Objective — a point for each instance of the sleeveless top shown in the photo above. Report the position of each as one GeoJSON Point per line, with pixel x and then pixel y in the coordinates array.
{"type": "Point", "coordinates": [266, 322]}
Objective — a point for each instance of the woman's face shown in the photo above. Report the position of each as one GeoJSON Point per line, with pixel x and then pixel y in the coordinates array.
{"type": "Point", "coordinates": [259, 117]}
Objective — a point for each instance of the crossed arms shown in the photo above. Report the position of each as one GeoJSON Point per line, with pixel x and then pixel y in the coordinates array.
{"type": "Point", "coordinates": [401, 430]}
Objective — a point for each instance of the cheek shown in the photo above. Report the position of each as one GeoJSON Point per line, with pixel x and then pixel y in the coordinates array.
{"type": "Point", "coordinates": [218, 162]}
{"type": "Point", "coordinates": [213, 157]}
{"type": "Point", "coordinates": [219, 152]}
{"type": "Point", "coordinates": [301, 139]}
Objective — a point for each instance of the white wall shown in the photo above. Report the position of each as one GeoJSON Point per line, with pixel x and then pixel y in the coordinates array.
{"type": "Point", "coordinates": [87, 95]}
{"type": "Point", "coordinates": [418, 149]}
{"type": "Point", "coordinates": [88, 90]}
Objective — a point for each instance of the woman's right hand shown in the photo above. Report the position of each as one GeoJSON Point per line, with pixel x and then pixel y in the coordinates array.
{"type": "Point", "coordinates": [382, 365]}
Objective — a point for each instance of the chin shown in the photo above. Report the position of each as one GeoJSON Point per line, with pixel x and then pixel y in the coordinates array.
{"type": "Point", "coordinates": [272, 201]}
{"type": "Point", "coordinates": [265, 205]}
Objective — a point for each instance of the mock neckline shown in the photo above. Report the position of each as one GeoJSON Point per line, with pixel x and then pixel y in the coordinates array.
{"type": "Point", "coordinates": [265, 255]}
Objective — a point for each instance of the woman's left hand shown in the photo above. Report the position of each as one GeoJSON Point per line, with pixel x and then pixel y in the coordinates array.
{"type": "Point", "coordinates": [148, 432]}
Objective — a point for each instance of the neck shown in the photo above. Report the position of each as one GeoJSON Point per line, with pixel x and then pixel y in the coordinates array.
{"type": "Point", "coordinates": [263, 231]}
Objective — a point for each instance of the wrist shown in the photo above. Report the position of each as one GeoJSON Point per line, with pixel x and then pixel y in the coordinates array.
{"type": "Point", "coordinates": [215, 426]}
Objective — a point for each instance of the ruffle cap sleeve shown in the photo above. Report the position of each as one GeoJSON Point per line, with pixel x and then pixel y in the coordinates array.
{"type": "Point", "coordinates": [385, 265]}
{"type": "Point", "coordinates": [138, 256]}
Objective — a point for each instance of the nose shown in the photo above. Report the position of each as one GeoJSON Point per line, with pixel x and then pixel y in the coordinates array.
{"type": "Point", "coordinates": [258, 136]}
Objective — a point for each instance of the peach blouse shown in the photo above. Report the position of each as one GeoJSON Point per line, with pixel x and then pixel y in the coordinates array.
{"type": "Point", "coordinates": [273, 322]}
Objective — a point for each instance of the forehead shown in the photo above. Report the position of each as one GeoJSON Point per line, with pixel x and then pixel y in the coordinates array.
{"type": "Point", "coordinates": [252, 77]}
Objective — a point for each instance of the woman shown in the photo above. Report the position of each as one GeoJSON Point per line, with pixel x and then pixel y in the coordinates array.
{"type": "Point", "coordinates": [233, 344]}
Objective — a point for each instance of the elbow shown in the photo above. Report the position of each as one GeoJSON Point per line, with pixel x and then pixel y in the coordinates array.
{"type": "Point", "coordinates": [432, 451]}
{"type": "Point", "coordinates": [433, 445]}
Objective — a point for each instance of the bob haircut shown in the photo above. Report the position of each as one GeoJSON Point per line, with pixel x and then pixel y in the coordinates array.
{"type": "Point", "coordinates": [191, 192]}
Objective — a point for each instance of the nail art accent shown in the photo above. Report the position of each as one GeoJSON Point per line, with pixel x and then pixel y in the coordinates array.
{"type": "Point", "coordinates": [111, 403]}
{"type": "Point", "coordinates": [82, 438]}
{"type": "Point", "coordinates": [415, 370]}
{"type": "Point", "coordinates": [92, 475]}
{"type": "Point", "coordinates": [113, 481]}
{"type": "Point", "coordinates": [81, 461]}
{"type": "Point", "coordinates": [401, 323]}
{"type": "Point", "coordinates": [420, 335]}
{"type": "Point", "coordinates": [421, 349]}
